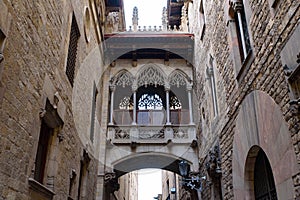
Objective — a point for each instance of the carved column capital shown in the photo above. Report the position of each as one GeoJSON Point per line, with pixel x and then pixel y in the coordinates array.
{"type": "Point", "coordinates": [295, 107]}
{"type": "Point", "coordinates": [237, 5]}
{"type": "Point", "coordinates": [134, 87]}
{"type": "Point", "coordinates": [167, 87]}
{"type": "Point", "coordinates": [209, 71]}
{"type": "Point", "coordinates": [189, 86]}
{"type": "Point", "coordinates": [112, 87]}
{"type": "Point", "coordinates": [111, 182]}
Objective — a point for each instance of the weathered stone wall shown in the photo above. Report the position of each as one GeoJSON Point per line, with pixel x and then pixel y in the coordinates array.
{"type": "Point", "coordinates": [35, 55]}
{"type": "Point", "coordinates": [269, 31]}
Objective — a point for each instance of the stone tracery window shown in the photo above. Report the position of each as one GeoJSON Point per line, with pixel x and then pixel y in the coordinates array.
{"type": "Point", "coordinates": [175, 103]}
{"type": "Point", "coordinates": [150, 102]}
{"type": "Point", "coordinates": [126, 103]}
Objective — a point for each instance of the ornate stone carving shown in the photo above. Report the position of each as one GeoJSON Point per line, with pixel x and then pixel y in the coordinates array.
{"type": "Point", "coordinates": [112, 22]}
{"type": "Point", "coordinates": [189, 86]}
{"type": "Point", "coordinates": [135, 18]}
{"type": "Point", "coordinates": [109, 176]}
{"type": "Point", "coordinates": [122, 134]}
{"type": "Point", "coordinates": [124, 80]}
{"type": "Point", "coordinates": [111, 182]}
{"type": "Point", "coordinates": [177, 79]}
{"type": "Point", "coordinates": [126, 103]}
{"type": "Point", "coordinates": [180, 133]}
{"type": "Point", "coordinates": [295, 107]}
{"type": "Point", "coordinates": [151, 134]}
{"type": "Point", "coordinates": [112, 87]}
{"type": "Point", "coordinates": [164, 19]}
{"type": "Point", "coordinates": [150, 76]}
{"type": "Point", "coordinates": [184, 19]}
{"type": "Point", "coordinates": [236, 5]}
{"type": "Point", "coordinates": [213, 162]}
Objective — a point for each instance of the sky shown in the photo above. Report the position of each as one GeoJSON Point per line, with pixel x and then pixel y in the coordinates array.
{"type": "Point", "coordinates": [149, 11]}
{"type": "Point", "coordinates": [149, 183]}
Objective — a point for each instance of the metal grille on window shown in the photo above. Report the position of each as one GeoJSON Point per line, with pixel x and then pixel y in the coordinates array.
{"type": "Point", "coordinates": [72, 52]}
{"type": "Point", "coordinates": [244, 36]}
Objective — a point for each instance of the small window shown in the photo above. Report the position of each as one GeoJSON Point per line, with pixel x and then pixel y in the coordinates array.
{"type": "Point", "coordinates": [42, 152]}
{"type": "Point", "coordinates": [239, 39]}
{"type": "Point", "coordinates": [242, 33]}
{"type": "Point", "coordinates": [93, 112]}
{"type": "Point", "coordinates": [83, 177]}
{"type": "Point", "coordinates": [212, 83]}
{"type": "Point", "coordinates": [72, 52]}
{"type": "Point", "coordinates": [202, 19]}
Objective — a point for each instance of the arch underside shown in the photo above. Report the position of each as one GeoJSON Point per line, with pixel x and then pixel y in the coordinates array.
{"type": "Point", "coordinates": [147, 160]}
{"type": "Point", "coordinates": [122, 160]}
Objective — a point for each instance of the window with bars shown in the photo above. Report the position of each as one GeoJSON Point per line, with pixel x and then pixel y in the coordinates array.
{"type": "Point", "coordinates": [242, 32]}
{"type": "Point", "coordinates": [72, 52]}
{"type": "Point", "coordinates": [202, 19]}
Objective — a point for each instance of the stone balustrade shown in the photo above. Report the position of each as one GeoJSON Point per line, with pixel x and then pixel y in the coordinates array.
{"type": "Point", "coordinates": [151, 134]}
{"type": "Point", "coordinates": [155, 29]}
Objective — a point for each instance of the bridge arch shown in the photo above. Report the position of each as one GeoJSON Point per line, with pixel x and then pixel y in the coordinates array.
{"type": "Point", "coordinates": [147, 160]}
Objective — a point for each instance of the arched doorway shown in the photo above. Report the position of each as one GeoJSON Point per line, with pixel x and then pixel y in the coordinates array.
{"type": "Point", "coordinates": [264, 185]}
{"type": "Point", "coordinates": [260, 127]}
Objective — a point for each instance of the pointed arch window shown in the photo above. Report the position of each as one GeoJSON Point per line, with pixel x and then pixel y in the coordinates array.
{"type": "Point", "coordinates": [175, 103]}
{"type": "Point", "coordinates": [126, 103]}
{"type": "Point", "coordinates": [264, 185]}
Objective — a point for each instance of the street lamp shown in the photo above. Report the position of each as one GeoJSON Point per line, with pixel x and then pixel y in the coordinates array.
{"type": "Point", "coordinates": [193, 181]}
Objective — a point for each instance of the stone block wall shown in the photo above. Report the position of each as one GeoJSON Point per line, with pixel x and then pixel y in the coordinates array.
{"type": "Point", "coordinates": [269, 30]}
{"type": "Point", "coordinates": [33, 70]}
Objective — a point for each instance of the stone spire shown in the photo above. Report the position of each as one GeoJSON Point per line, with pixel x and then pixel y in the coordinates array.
{"type": "Point", "coordinates": [184, 19]}
{"type": "Point", "coordinates": [135, 19]}
{"type": "Point", "coordinates": [164, 19]}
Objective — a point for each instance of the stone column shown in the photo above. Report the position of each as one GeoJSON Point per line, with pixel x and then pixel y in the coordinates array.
{"type": "Point", "coordinates": [167, 89]}
{"type": "Point", "coordinates": [112, 94]}
{"type": "Point", "coordinates": [134, 89]}
{"type": "Point", "coordinates": [189, 88]}
{"type": "Point", "coordinates": [238, 7]}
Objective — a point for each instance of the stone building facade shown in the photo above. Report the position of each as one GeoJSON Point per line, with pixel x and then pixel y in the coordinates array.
{"type": "Point", "coordinates": [237, 62]}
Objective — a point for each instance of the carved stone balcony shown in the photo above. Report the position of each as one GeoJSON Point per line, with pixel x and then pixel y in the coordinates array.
{"type": "Point", "coordinates": [128, 134]}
